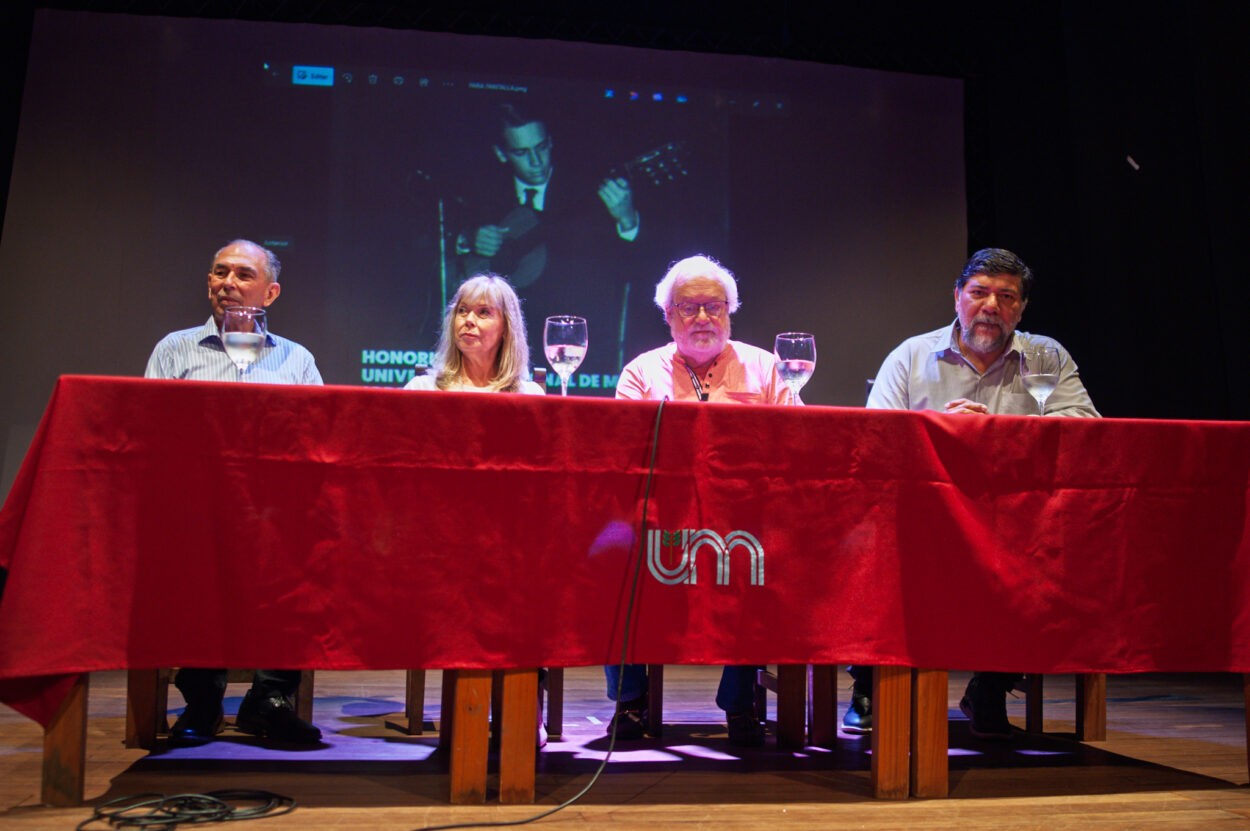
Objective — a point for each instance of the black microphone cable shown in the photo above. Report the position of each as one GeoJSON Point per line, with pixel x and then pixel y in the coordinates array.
{"type": "Point", "coordinates": [629, 615]}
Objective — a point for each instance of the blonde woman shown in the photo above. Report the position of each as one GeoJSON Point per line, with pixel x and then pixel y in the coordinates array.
{"type": "Point", "coordinates": [482, 346]}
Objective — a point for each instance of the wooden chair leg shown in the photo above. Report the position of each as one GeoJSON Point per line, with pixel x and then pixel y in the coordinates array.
{"type": "Point", "coordinates": [930, 768]}
{"type": "Point", "coordinates": [164, 677]}
{"type": "Point", "coordinates": [414, 702]}
{"type": "Point", "coordinates": [470, 700]}
{"type": "Point", "coordinates": [304, 695]}
{"type": "Point", "coordinates": [555, 702]}
{"type": "Point", "coordinates": [822, 705]}
{"type": "Point", "coordinates": [655, 699]}
{"type": "Point", "coordinates": [447, 709]}
{"type": "Point", "coordinates": [142, 709]}
{"type": "Point", "coordinates": [1245, 683]}
{"type": "Point", "coordinates": [891, 722]}
{"type": "Point", "coordinates": [65, 749]}
{"type": "Point", "coordinates": [1091, 707]}
{"type": "Point", "coordinates": [518, 726]}
{"type": "Point", "coordinates": [496, 705]}
{"type": "Point", "coordinates": [791, 705]}
{"type": "Point", "coordinates": [1033, 703]}
{"type": "Point", "coordinates": [764, 681]}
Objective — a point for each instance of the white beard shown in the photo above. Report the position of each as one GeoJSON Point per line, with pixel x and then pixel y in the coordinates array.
{"type": "Point", "coordinates": [985, 340]}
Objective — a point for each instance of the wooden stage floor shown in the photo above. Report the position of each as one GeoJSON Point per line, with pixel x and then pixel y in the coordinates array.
{"type": "Point", "coordinates": [1175, 758]}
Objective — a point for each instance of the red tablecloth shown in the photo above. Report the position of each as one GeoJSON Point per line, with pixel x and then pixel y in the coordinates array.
{"type": "Point", "coordinates": [159, 523]}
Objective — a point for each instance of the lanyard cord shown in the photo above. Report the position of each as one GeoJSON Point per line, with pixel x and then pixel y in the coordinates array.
{"type": "Point", "coordinates": [694, 379]}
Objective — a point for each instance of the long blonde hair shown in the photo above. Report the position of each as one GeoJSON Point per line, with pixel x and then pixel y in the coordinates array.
{"type": "Point", "coordinates": [512, 361]}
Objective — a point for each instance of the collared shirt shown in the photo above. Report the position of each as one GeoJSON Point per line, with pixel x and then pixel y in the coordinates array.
{"type": "Point", "coordinates": [428, 381]}
{"type": "Point", "coordinates": [539, 198]}
{"type": "Point", "coordinates": [198, 355]}
{"type": "Point", "coordinates": [742, 374]}
{"type": "Point", "coordinates": [926, 371]}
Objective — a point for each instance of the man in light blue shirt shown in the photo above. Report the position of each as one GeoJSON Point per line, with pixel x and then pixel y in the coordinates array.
{"type": "Point", "coordinates": [242, 274]}
{"type": "Point", "coordinates": [972, 367]}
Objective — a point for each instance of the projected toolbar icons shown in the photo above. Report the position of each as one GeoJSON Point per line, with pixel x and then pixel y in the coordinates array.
{"type": "Point", "coordinates": [316, 76]}
{"type": "Point", "coordinates": [657, 95]}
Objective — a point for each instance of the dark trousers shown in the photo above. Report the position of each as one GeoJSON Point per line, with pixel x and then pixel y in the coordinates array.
{"type": "Point", "coordinates": [207, 686]}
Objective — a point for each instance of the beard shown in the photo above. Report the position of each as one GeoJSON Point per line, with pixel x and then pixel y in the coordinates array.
{"type": "Point", "coordinates": [984, 339]}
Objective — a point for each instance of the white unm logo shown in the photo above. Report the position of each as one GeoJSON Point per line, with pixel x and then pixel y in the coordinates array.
{"type": "Point", "coordinates": [691, 542]}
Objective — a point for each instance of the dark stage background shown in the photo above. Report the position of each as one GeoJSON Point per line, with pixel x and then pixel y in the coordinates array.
{"type": "Point", "coordinates": [1100, 143]}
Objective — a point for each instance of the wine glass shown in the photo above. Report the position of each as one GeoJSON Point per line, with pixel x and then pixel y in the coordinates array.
{"type": "Point", "coordinates": [564, 342]}
{"type": "Point", "coordinates": [796, 360]}
{"type": "Point", "coordinates": [1039, 369]}
{"type": "Point", "coordinates": [243, 334]}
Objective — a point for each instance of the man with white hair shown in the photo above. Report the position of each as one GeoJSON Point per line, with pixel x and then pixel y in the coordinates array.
{"type": "Point", "coordinates": [697, 296]}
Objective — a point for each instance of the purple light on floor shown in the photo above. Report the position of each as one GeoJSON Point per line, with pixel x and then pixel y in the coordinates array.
{"type": "Point", "coordinates": [963, 751]}
{"type": "Point", "coordinates": [1028, 752]}
{"type": "Point", "coordinates": [806, 753]}
{"type": "Point", "coordinates": [628, 756]}
{"type": "Point", "coordinates": [700, 752]}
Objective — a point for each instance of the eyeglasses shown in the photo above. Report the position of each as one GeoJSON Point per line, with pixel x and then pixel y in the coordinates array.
{"type": "Point", "coordinates": [714, 308]}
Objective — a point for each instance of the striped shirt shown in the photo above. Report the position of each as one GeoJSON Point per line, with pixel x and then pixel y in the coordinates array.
{"type": "Point", "coordinates": [198, 355]}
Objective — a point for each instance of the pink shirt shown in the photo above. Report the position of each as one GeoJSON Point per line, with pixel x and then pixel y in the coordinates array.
{"type": "Point", "coordinates": [742, 374]}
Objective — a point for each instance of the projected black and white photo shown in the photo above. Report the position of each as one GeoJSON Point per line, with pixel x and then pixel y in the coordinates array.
{"type": "Point", "coordinates": [384, 167]}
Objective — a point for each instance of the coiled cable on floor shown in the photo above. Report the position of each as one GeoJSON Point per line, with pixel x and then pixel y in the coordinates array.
{"type": "Point", "coordinates": [156, 810]}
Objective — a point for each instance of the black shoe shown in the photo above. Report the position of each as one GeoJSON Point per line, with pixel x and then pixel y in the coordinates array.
{"type": "Point", "coordinates": [858, 718]}
{"type": "Point", "coordinates": [196, 726]}
{"type": "Point", "coordinates": [985, 705]}
{"type": "Point", "coordinates": [630, 721]}
{"type": "Point", "coordinates": [274, 718]}
{"type": "Point", "coordinates": [745, 729]}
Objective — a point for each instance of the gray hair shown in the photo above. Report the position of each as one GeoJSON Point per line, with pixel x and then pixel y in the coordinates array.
{"type": "Point", "coordinates": [273, 266]}
{"type": "Point", "coordinates": [699, 265]}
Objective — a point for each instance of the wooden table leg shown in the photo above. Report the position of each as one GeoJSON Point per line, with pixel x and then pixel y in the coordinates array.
{"type": "Point", "coordinates": [470, 735]}
{"type": "Point", "coordinates": [791, 705]}
{"type": "Point", "coordinates": [822, 705]}
{"type": "Point", "coordinates": [891, 721]}
{"type": "Point", "coordinates": [518, 735]}
{"type": "Point", "coordinates": [929, 763]}
{"type": "Point", "coordinates": [1091, 707]}
{"type": "Point", "coordinates": [65, 749]}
